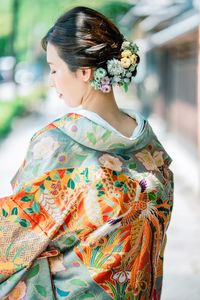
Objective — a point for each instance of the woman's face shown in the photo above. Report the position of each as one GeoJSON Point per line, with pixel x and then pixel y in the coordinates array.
{"type": "Point", "coordinates": [71, 86]}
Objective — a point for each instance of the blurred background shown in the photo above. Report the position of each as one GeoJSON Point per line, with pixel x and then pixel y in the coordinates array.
{"type": "Point", "coordinates": [166, 90]}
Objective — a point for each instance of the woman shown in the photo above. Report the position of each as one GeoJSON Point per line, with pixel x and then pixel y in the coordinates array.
{"type": "Point", "coordinates": [92, 200]}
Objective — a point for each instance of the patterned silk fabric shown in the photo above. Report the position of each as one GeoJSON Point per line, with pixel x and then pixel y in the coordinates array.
{"type": "Point", "coordinates": [88, 215]}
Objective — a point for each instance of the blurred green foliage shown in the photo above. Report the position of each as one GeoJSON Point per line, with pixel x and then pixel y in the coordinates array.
{"type": "Point", "coordinates": [35, 18]}
{"type": "Point", "coordinates": [22, 25]}
{"type": "Point", "coordinates": [9, 110]}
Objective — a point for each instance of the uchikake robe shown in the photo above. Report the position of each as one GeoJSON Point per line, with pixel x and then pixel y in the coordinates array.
{"type": "Point", "coordinates": [88, 215]}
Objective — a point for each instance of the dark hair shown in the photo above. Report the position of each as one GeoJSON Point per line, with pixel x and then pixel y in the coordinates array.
{"type": "Point", "coordinates": [84, 38]}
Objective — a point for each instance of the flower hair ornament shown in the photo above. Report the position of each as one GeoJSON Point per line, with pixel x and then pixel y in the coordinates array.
{"type": "Point", "coordinates": [119, 71]}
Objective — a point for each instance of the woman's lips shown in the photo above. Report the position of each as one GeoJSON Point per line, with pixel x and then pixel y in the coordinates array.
{"type": "Point", "coordinates": [60, 95]}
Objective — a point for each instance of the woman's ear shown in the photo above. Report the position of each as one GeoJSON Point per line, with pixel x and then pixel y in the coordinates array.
{"type": "Point", "coordinates": [86, 74]}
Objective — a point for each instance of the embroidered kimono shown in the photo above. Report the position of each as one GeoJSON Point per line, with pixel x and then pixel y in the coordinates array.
{"type": "Point", "coordinates": [88, 215]}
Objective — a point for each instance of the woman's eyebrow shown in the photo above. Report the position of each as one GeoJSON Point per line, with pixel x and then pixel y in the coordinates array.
{"type": "Point", "coordinates": [50, 63]}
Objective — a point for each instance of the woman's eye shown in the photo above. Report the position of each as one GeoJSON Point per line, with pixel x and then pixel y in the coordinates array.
{"type": "Point", "coordinates": [52, 72]}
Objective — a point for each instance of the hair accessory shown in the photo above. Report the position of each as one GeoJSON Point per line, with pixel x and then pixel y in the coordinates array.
{"type": "Point", "coordinates": [119, 71]}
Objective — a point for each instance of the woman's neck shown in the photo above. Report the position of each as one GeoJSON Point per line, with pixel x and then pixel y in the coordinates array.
{"type": "Point", "coordinates": [103, 104]}
{"type": "Point", "coordinates": [106, 107]}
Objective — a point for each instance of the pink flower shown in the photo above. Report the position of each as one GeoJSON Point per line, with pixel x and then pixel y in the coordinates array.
{"type": "Point", "coordinates": [105, 80]}
{"type": "Point", "coordinates": [62, 158]}
{"type": "Point", "coordinates": [106, 88]}
{"type": "Point", "coordinates": [111, 162]}
{"type": "Point", "coordinates": [74, 128]}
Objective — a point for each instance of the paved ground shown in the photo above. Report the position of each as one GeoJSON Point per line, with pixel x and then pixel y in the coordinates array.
{"type": "Point", "coordinates": [182, 259]}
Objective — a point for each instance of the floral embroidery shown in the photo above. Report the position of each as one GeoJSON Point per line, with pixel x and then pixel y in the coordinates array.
{"type": "Point", "coordinates": [122, 276]}
{"type": "Point", "coordinates": [55, 188]}
{"type": "Point", "coordinates": [63, 157]}
{"type": "Point", "coordinates": [74, 128]}
{"type": "Point", "coordinates": [45, 148]}
{"type": "Point", "coordinates": [107, 206]}
{"type": "Point", "coordinates": [111, 162]}
{"type": "Point", "coordinates": [151, 162]}
{"type": "Point", "coordinates": [140, 285]}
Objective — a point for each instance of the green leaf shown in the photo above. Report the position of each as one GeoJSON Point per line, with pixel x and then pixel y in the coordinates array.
{"type": "Point", "coordinates": [14, 211]}
{"type": "Point", "coordinates": [71, 184]}
{"type": "Point", "coordinates": [125, 86]}
{"type": "Point", "coordinates": [33, 271]}
{"type": "Point", "coordinates": [19, 252]}
{"type": "Point", "coordinates": [100, 193]}
{"type": "Point", "coordinates": [42, 187]}
{"type": "Point", "coordinates": [78, 282]}
{"type": "Point", "coordinates": [86, 172]}
{"type": "Point", "coordinates": [35, 207]}
{"type": "Point", "coordinates": [9, 248]}
{"type": "Point", "coordinates": [70, 241]}
{"type": "Point", "coordinates": [118, 183]}
{"type": "Point", "coordinates": [41, 290]}
{"type": "Point", "coordinates": [4, 212]}
{"type": "Point", "coordinates": [27, 198]}
{"type": "Point", "coordinates": [24, 223]}
{"type": "Point", "coordinates": [79, 157]}
{"type": "Point", "coordinates": [29, 210]}
{"type": "Point", "coordinates": [106, 135]}
{"type": "Point", "coordinates": [116, 146]}
{"type": "Point", "coordinates": [99, 186]}
{"type": "Point", "coordinates": [91, 137]}
{"type": "Point", "coordinates": [115, 173]}
{"type": "Point", "coordinates": [94, 126]}
{"type": "Point", "coordinates": [86, 296]}
{"type": "Point", "coordinates": [125, 188]}
{"type": "Point", "coordinates": [70, 170]}
{"type": "Point", "coordinates": [132, 166]}
{"type": "Point", "coordinates": [152, 196]}
{"type": "Point", "coordinates": [17, 220]}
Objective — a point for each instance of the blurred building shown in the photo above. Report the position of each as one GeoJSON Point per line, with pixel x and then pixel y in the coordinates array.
{"type": "Point", "coordinates": [168, 34]}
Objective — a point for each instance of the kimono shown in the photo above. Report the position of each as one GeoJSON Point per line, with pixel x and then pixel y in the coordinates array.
{"type": "Point", "coordinates": [88, 215]}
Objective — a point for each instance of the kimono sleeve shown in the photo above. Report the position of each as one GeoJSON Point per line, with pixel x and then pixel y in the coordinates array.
{"type": "Point", "coordinates": [28, 221]}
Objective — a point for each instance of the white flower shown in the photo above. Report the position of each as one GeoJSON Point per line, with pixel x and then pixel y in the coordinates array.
{"type": "Point", "coordinates": [122, 276]}
{"type": "Point", "coordinates": [128, 74]}
{"type": "Point", "coordinates": [127, 80]}
{"type": "Point", "coordinates": [125, 44]}
{"type": "Point", "coordinates": [114, 67]}
{"type": "Point", "coordinates": [45, 148]}
{"type": "Point", "coordinates": [116, 79]}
